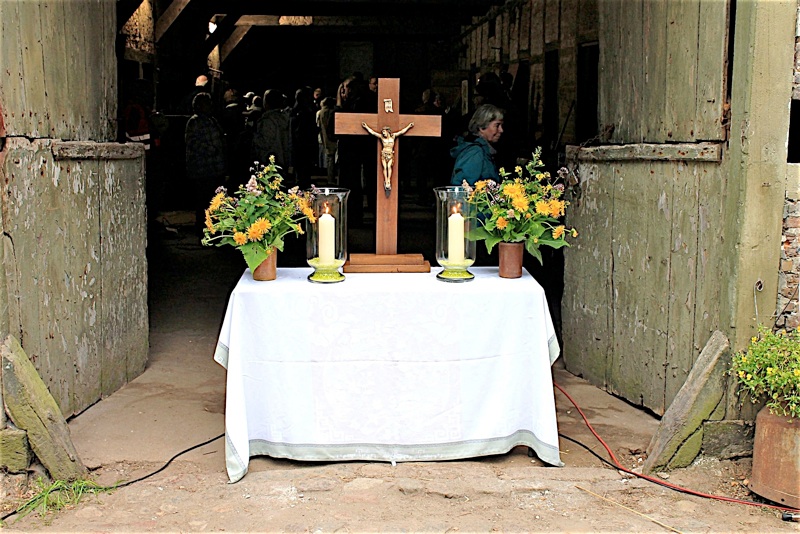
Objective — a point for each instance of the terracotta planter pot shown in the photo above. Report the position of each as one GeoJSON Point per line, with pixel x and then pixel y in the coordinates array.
{"type": "Point", "coordinates": [268, 270]}
{"type": "Point", "coordinates": [510, 259]}
{"type": "Point", "coordinates": [776, 458]}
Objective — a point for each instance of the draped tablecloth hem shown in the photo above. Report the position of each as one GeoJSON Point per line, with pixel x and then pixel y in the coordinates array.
{"type": "Point", "coordinates": [391, 453]}
{"type": "Point", "coordinates": [552, 346]}
{"type": "Point", "coordinates": [221, 354]}
{"type": "Point", "coordinates": [233, 462]}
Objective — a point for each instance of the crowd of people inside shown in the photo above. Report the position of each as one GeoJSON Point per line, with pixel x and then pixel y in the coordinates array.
{"type": "Point", "coordinates": [222, 141]}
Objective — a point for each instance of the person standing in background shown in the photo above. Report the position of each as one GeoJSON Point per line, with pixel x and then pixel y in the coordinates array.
{"type": "Point", "coordinates": [328, 137]}
{"type": "Point", "coordinates": [205, 155]}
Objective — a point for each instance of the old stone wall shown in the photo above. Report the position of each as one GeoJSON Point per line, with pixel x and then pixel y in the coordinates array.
{"type": "Point", "coordinates": [788, 313]}
{"type": "Point", "coordinates": [139, 32]}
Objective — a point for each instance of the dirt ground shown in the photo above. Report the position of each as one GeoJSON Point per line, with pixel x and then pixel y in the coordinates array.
{"type": "Point", "coordinates": [179, 402]}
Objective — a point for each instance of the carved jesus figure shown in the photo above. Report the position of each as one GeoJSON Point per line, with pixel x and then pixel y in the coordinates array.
{"type": "Point", "coordinates": [387, 152]}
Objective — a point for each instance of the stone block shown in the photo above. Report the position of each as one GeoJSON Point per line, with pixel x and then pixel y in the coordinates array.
{"type": "Point", "coordinates": [13, 486]}
{"type": "Point", "coordinates": [15, 454]}
{"type": "Point", "coordinates": [728, 439]}
{"type": "Point", "coordinates": [696, 402]}
{"type": "Point", "coordinates": [33, 409]}
{"type": "Point", "coordinates": [688, 451]}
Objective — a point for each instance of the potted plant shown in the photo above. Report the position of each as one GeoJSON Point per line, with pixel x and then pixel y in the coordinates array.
{"type": "Point", "coordinates": [523, 210]}
{"type": "Point", "coordinates": [769, 369]}
{"type": "Point", "coordinates": [257, 217]}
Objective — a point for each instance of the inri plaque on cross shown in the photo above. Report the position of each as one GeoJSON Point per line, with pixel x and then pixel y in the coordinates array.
{"type": "Point", "coordinates": [387, 125]}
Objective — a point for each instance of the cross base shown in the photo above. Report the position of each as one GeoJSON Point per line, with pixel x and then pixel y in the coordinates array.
{"type": "Point", "coordinates": [387, 263]}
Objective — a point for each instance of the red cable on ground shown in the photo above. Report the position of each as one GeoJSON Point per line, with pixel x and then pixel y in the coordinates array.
{"type": "Point", "coordinates": [657, 480]}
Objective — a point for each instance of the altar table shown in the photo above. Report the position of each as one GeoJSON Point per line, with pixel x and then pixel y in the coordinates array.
{"type": "Point", "coordinates": [387, 367]}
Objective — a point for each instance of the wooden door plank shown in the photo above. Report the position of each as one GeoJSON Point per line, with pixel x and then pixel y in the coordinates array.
{"type": "Point", "coordinates": [712, 63]}
{"type": "Point", "coordinates": [642, 223]}
{"type": "Point", "coordinates": [683, 18]}
{"type": "Point", "coordinates": [631, 71]}
{"type": "Point", "coordinates": [124, 273]}
{"type": "Point", "coordinates": [29, 20]}
{"type": "Point", "coordinates": [586, 304]}
{"type": "Point", "coordinates": [12, 90]}
{"type": "Point", "coordinates": [610, 84]}
{"type": "Point", "coordinates": [655, 72]}
{"type": "Point", "coordinates": [681, 351]}
{"type": "Point", "coordinates": [55, 68]}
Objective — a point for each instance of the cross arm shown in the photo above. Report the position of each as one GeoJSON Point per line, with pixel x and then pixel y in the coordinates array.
{"type": "Point", "coordinates": [350, 123]}
{"type": "Point", "coordinates": [424, 125]}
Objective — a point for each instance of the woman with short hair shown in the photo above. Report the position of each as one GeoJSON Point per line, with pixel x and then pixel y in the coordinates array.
{"type": "Point", "coordinates": [474, 155]}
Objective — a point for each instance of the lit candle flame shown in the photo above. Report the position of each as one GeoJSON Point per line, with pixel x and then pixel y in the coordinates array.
{"type": "Point", "coordinates": [327, 208]}
{"type": "Point", "coordinates": [456, 208]}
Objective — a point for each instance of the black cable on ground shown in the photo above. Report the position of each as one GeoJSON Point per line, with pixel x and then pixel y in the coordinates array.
{"type": "Point", "coordinates": [145, 477]}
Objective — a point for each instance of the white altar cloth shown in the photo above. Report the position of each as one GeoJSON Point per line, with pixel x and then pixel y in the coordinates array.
{"type": "Point", "coordinates": [387, 367]}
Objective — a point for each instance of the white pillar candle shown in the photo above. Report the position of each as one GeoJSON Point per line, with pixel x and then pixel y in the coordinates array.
{"type": "Point", "coordinates": [455, 238]}
{"type": "Point", "coordinates": [327, 239]}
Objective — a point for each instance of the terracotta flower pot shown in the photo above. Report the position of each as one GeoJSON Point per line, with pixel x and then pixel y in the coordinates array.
{"type": "Point", "coordinates": [268, 270]}
{"type": "Point", "coordinates": [511, 259]}
{"type": "Point", "coordinates": [776, 458]}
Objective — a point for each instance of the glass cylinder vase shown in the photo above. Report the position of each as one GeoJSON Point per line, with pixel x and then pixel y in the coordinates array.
{"type": "Point", "coordinates": [455, 220]}
{"type": "Point", "coordinates": [326, 237]}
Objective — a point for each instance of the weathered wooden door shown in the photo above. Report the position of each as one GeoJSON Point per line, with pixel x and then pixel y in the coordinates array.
{"type": "Point", "coordinates": [641, 297]}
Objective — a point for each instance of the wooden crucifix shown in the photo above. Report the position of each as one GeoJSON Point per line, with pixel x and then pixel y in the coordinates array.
{"type": "Point", "coordinates": [388, 124]}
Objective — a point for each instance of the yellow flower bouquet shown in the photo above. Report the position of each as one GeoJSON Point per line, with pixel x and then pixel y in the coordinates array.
{"type": "Point", "coordinates": [257, 217]}
{"type": "Point", "coordinates": [770, 369]}
{"type": "Point", "coordinates": [521, 209]}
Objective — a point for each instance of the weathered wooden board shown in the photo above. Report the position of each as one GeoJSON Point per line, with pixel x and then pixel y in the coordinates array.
{"type": "Point", "coordinates": [124, 273]}
{"type": "Point", "coordinates": [524, 29]}
{"type": "Point", "coordinates": [611, 56]}
{"type": "Point", "coordinates": [662, 70]}
{"type": "Point", "coordinates": [33, 68]}
{"type": "Point", "coordinates": [681, 350]}
{"type": "Point", "coordinates": [552, 23]}
{"type": "Point", "coordinates": [586, 304]}
{"type": "Point", "coordinates": [649, 231]}
{"type": "Point", "coordinates": [537, 28]}
{"type": "Point", "coordinates": [56, 268]}
{"type": "Point", "coordinates": [34, 410]}
{"type": "Point", "coordinates": [653, 151]}
{"type": "Point", "coordinates": [630, 88]}
{"type": "Point", "coordinates": [640, 248]}
{"type": "Point", "coordinates": [55, 63]}
{"type": "Point", "coordinates": [514, 33]}
{"type": "Point", "coordinates": [654, 17]}
{"type": "Point", "coordinates": [683, 19]}
{"type": "Point", "coordinates": [58, 69]}
{"type": "Point", "coordinates": [712, 70]}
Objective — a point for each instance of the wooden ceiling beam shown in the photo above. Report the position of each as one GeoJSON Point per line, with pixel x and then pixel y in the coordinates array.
{"type": "Point", "coordinates": [168, 18]}
{"type": "Point", "coordinates": [236, 37]}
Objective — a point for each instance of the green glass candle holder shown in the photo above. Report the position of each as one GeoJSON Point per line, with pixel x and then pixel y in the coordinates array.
{"type": "Point", "coordinates": [326, 274]}
{"type": "Point", "coordinates": [455, 251]}
{"type": "Point", "coordinates": [326, 237]}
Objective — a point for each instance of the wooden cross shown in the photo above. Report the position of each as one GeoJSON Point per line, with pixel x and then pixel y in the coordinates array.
{"type": "Point", "coordinates": [387, 116]}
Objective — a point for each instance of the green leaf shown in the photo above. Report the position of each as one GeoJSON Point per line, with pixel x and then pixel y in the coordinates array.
{"type": "Point", "coordinates": [491, 241]}
{"type": "Point", "coordinates": [478, 234]}
{"type": "Point", "coordinates": [533, 250]}
{"type": "Point", "coordinates": [555, 243]}
{"type": "Point", "coordinates": [253, 255]}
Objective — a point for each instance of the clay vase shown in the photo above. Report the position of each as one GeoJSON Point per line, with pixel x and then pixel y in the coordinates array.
{"type": "Point", "coordinates": [776, 458]}
{"type": "Point", "coordinates": [268, 270]}
{"type": "Point", "coordinates": [510, 255]}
